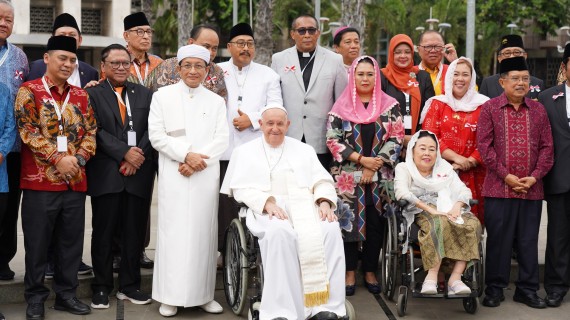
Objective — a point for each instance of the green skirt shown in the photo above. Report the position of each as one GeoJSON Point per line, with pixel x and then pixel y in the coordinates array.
{"type": "Point", "coordinates": [440, 238]}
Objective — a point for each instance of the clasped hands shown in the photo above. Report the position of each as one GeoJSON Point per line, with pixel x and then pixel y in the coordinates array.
{"type": "Point", "coordinates": [463, 163]}
{"type": "Point", "coordinates": [371, 165]}
{"type": "Point", "coordinates": [67, 168]}
{"type": "Point", "coordinates": [519, 185]}
{"type": "Point", "coordinates": [133, 160]}
{"type": "Point", "coordinates": [452, 214]}
{"type": "Point", "coordinates": [273, 210]}
{"type": "Point", "coordinates": [193, 162]}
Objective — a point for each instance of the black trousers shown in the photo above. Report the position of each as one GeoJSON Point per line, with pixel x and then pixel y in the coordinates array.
{"type": "Point", "coordinates": [61, 214]}
{"type": "Point", "coordinates": [9, 209]}
{"type": "Point", "coordinates": [557, 264]}
{"type": "Point", "coordinates": [505, 221]}
{"type": "Point", "coordinates": [227, 208]}
{"type": "Point", "coordinates": [371, 247]}
{"type": "Point", "coordinates": [126, 213]}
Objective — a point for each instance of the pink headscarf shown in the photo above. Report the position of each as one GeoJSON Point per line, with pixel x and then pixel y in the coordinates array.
{"type": "Point", "coordinates": [349, 106]}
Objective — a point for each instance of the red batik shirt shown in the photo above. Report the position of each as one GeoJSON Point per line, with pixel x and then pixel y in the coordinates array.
{"type": "Point", "coordinates": [517, 142]}
{"type": "Point", "coordinates": [39, 127]}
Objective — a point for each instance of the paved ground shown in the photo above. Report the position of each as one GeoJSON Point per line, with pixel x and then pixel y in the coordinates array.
{"type": "Point", "coordinates": [367, 306]}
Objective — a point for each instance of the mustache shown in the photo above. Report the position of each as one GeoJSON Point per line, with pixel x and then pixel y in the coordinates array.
{"type": "Point", "coordinates": [245, 53]}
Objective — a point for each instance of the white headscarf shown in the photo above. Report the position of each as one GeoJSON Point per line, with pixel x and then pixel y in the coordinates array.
{"type": "Point", "coordinates": [441, 176]}
{"type": "Point", "coordinates": [468, 103]}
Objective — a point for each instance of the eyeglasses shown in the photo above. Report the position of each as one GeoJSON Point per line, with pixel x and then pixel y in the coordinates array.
{"type": "Point", "coordinates": [311, 31]}
{"type": "Point", "coordinates": [518, 79]}
{"type": "Point", "coordinates": [514, 53]}
{"type": "Point", "coordinates": [117, 64]}
{"type": "Point", "coordinates": [241, 44]}
{"type": "Point", "coordinates": [141, 32]}
{"type": "Point", "coordinates": [436, 48]}
{"type": "Point", "coordinates": [197, 67]}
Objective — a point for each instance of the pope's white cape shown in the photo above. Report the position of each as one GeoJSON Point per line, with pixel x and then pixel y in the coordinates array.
{"type": "Point", "coordinates": [183, 120]}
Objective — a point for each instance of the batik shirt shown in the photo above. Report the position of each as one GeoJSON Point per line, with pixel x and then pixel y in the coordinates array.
{"type": "Point", "coordinates": [38, 125]}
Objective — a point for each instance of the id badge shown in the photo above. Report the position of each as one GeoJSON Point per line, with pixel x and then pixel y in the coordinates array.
{"type": "Point", "coordinates": [408, 122]}
{"type": "Point", "coordinates": [61, 144]}
{"type": "Point", "coordinates": [132, 138]}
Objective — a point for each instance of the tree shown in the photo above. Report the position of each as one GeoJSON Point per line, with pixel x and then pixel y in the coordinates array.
{"type": "Point", "coordinates": [353, 16]}
{"type": "Point", "coordinates": [184, 22]}
{"type": "Point", "coordinates": [264, 32]}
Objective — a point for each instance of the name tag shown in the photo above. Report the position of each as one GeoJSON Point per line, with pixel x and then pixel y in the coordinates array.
{"type": "Point", "coordinates": [132, 138]}
{"type": "Point", "coordinates": [408, 122]}
{"type": "Point", "coordinates": [61, 144]}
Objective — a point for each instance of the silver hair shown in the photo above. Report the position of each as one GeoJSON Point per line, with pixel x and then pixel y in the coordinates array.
{"type": "Point", "coordinates": [8, 3]}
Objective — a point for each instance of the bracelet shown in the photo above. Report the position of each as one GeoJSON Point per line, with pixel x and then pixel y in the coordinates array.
{"type": "Point", "coordinates": [359, 158]}
{"type": "Point", "coordinates": [323, 200]}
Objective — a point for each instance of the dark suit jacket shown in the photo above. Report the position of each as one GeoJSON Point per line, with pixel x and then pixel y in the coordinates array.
{"type": "Point", "coordinates": [86, 72]}
{"type": "Point", "coordinates": [558, 179]}
{"type": "Point", "coordinates": [103, 174]}
{"type": "Point", "coordinates": [426, 90]}
{"type": "Point", "coordinates": [492, 89]}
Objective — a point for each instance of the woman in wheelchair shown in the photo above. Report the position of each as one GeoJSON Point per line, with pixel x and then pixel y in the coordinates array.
{"type": "Point", "coordinates": [438, 201]}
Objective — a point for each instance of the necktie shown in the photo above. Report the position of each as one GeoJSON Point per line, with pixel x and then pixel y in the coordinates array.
{"type": "Point", "coordinates": [122, 107]}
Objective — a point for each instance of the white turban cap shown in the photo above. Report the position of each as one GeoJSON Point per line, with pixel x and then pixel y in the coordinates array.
{"type": "Point", "coordinates": [193, 51]}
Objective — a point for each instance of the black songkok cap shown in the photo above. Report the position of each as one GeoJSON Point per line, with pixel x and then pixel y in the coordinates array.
{"type": "Point", "coordinates": [513, 64]}
{"type": "Point", "coordinates": [511, 40]}
{"type": "Point", "coordinates": [62, 43]}
{"type": "Point", "coordinates": [65, 20]}
{"type": "Point", "coordinates": [135, 20]}
{"type": "Point", "coordinates": [566, 54]}
{"type": "Point", "coordinates": [241, 29]}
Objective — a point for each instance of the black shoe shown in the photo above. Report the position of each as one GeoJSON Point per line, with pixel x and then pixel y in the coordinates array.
{"type": "Point", "coordinates": [84, 268]}
{"type": "Point", "coordinates": [35, 311]}
{"type": "Point", "coordinates": [136, 297]}
{"type": "Point", "coordinates": [324, 315]}
{"type": "Point", "coordinates": [6, 273]}
{"type": "Point", "coordinates": [116, 264]}
{"type": "Point", "coordinates": [493, 301]}
{"type": "Point", "coordinates": [2, 316]}
{"type": "Point", "coordinates": [100, 300]}
{"type": "Point", "coordinates": [554, 299]}
{"type": "Point", "coordinates": [350, 290]}
{"type": "Point", "coordinates": [532, 300]}
{"type": "Point", "coordinates": [72, 305]}
{"type": "Point", "coordinates": [373, 288]}
{"type": "Point", "coordinates": [146, 262]}
{"type": "Point", "coordinates": [49, 270]}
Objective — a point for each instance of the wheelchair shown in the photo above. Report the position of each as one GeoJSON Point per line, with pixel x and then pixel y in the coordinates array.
{"type": "Point", "coordinates": [394, 255]}
{"type": "Point", "coordinates": [243, 270]}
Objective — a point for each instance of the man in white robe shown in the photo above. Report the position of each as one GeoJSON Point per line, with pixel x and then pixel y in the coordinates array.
{"type": "Point", "coordinates": [291, 199]}
{"type": "Point", "coordinates": [187, 126]}
{"type": "Point", "coordinates": [251, 86]}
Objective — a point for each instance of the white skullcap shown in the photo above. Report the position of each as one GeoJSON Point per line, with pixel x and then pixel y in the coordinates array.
{"type": "Point", "coordinates": [274, 106]}
{"type": "Point", "coordinates": [193, 51]}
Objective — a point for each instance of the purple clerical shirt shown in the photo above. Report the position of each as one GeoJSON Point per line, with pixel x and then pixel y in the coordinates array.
{"type": "Point", "coordinates": [512, 141]}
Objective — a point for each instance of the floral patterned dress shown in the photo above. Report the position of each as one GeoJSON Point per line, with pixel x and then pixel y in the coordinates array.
{"type": "Point", "coordinates": [384, 139]}
{"type": "Point", "coordinates": [458, 131]}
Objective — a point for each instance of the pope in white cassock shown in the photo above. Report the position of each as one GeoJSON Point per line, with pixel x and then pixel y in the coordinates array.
{"type": "Point", "coordinates": [187, 126]}
{"type": "Point", "coordinates": [291, 199]}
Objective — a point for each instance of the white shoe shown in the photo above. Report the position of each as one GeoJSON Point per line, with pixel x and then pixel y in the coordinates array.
{"type": "Point", "coordinates": [429, 287]}
{"type": "Point", "coordinates": [167, 310]}
{"type": "Point", "coordinates": [212, 307]}
{"type": "Point", "coordinates": [458, 287]}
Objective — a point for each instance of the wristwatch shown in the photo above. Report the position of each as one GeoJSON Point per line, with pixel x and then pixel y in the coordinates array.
{"type": "Point", "coordinates": [80, 160]}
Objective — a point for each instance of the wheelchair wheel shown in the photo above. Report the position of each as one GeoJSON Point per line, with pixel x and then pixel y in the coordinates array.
{"type": "Point", "coordinates": [481, 271]}
{"type": "Point", "coordinates": [235, 267]}
{"type": "Point", "coordinates": [350, 313]}
{"type": "Point", "coordinates": [390, 258]}
{"type": "Point", "coordinates": [471, 305]}
{"type": "Point", "coordinates": [402, 304]}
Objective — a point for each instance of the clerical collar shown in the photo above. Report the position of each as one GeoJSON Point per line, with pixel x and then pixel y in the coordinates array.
{"type": "Point", "coordinates": [305, 55]}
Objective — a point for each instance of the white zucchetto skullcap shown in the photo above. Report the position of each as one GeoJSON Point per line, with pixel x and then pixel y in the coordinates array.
{"type": "Point", "coordinates": [274, 106]}
{"type": "Point", "coordinates": [193, 51]}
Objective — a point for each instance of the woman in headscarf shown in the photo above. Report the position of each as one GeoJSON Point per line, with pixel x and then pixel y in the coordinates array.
{"type": "Point", "coordinates": [453, 117]}
{"type": "Point", "coordinates": [404, 82]}
{"type": "Point", "coordinates": [365, 133]}
{"type": "Point", "coordinates": [439, 203]}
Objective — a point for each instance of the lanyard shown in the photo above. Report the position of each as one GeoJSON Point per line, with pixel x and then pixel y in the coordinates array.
{"type": "Point", "coordinates": [5, 56]}
{"type": "Point", "coordinates": [240, 86]}
{"type": "Point", "coordinates": [312, 57]}
{"type": "Point", "coordinates": [58, 111]}
{"type": "Point", "coordinates": [141, 81]}
{"type": "Point", "coordinates": [407, 103]}
{"type": "Point", "coordinates": [126, 103]}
